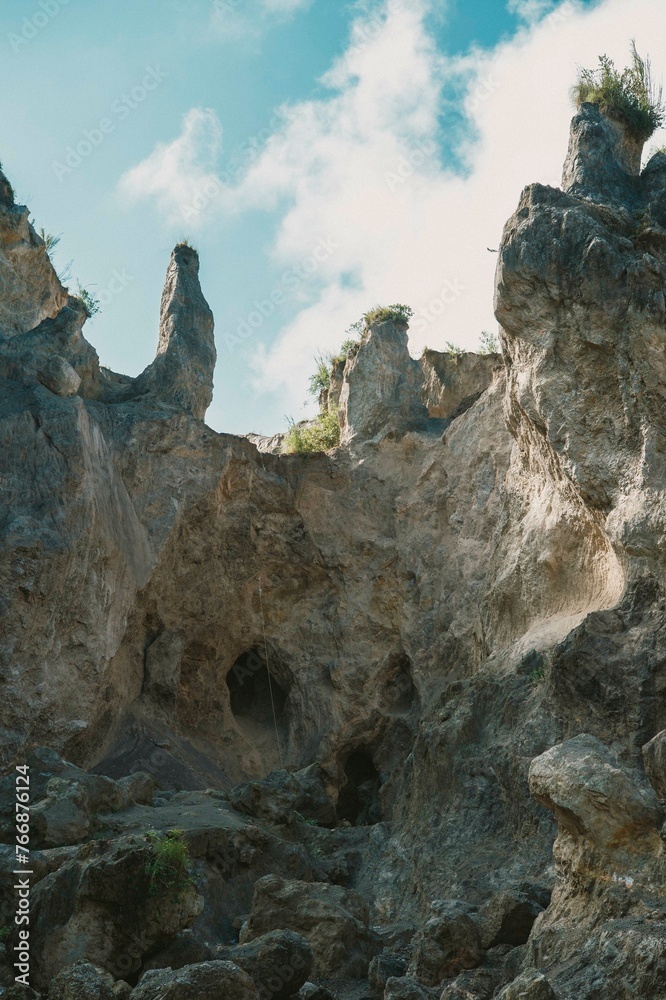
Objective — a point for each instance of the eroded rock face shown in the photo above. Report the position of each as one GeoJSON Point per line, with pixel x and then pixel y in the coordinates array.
{"type": "Point", "coordinates": [332, 919]}
{"type": "Point", "coordinates": [593, 796]}
{"type": "Point", "coordinates": [30, 289]}
{"type": "Point", "coordinates": [182, 372]}
{"type": "Point", "coordinates": [381, 385]}
{"type": "Point", "coordinates": [419, 615]}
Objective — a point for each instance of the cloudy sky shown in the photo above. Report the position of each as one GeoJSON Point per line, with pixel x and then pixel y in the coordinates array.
{"type": "Point", "coordinates": [324, 156]}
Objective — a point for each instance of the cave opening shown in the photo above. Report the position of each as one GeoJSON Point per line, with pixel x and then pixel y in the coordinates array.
{"type": "Point", "coordinates": [258, 701]}
{"type": "Point", "coordinates": [358, 802]}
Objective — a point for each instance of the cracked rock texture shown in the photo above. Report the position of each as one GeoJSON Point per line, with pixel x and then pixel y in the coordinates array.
{"type": "Point", "coordinates": [444, 640]}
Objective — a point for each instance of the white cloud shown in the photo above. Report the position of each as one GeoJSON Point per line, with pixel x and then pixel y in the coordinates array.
{"type": "Point", "coordinates": [361, 166]}
{"type": "Point", "coordinates": [530, 10]}
{"type": "Point", "coordinates": [176, 172]}
{"type": "Point", "coordinates": [238, 18]}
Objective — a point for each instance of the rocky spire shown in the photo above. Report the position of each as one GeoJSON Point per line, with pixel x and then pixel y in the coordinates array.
{"type": "Point", "coordinates": [182, 372]}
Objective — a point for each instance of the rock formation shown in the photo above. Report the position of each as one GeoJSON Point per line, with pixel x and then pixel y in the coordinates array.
{"type": "Point", "coordinates": [405, 699]}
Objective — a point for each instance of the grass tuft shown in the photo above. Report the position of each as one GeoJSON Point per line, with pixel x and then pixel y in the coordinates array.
{"type": "Point", "coordinates": [629, 97]}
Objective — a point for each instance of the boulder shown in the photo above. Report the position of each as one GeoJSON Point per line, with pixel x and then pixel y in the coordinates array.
{"type": "Point", "coordinates": [20, 992]}
{"type": "Point", "coordinates": [404, 988]}
{"type": "Point", "coordinates": [278, 962]}
{"type": "Point", "coordinates": [529, 986]}
{"type": "Point", "coordinates": [449, 943]}
{"type": "Point", "coordinates": [334, 920]}
{"type": "Point", "coordinates": [63, 817]}
{"type": "Point", "coordinates": [654, 760]}
{"type": "Point", "coordinates": [101, 907]}
{"type": "Point", "coordinates": [65, 798]}
{"type": "Point", "coordinates": [205, 981]}
{"type": "Point", "coordinates": [185, 949]}
{"type": "Point", "coordinates": [310, 991]}
{"type": "Point", "coordinates": [282, 794]}
{"type": "Point", "coordinates": [81, 981]}
{"type": "Point", "coordinates": [58, 375]}
{"type": "Point", "coordinates": [509, 916]}
{"type": "Point", "coordinates": [473, 984]}
{"type": "Point", "coordinates": [592, 795]}
{"type": "Point", "coordinates": [385, 966]}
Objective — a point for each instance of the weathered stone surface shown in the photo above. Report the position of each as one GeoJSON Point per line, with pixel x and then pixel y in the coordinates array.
{"type": "Point", "coordinates": [332, 919]}
{"type": "Point", "coordinates": [185, 949]}
{"type": "Point", "coordinates": [310, 991]}
{"type": "Point", "coordinates": [279, 962]}
{"type": "Point", "coordinates": [206, 981]}
{"type": "Point", "coordinates": [20, 992]}
{"type": "Point", "coordinates": [654, 759]}
{"type": "Point", "coordinates": [99, 908]}
{"type": "Point", "coordinates": [591, 795]}
{"type": "Point", "coordinates": [529, 986]}
{"type": "Point", "coordinates": [602, 161]}
{"type": "Point", "coordinates": [509, 917]}
{"type": "Point", "coordinates": [81, 981]}
{"type": "Point", "coordinates": [58, 375]}
{"type": "Point", "coordinates": [452, 383]}
{"type": "Point", "coordinates": [282, 794]}
{"type": "Point", "coordinates": [385, 966]}
{"type": "Point", "coordinates": [448, 943]}
{"type": "Point", "coordinates": [435, 606]}
{"type": "Point", "coordinates": [381, 386]}
{"type": "Point", "coordinates": [404, 988]}
{"type": "Point", "coordinates": [29, 287]}
{"type": "Point", "coordinates": [182, 373]}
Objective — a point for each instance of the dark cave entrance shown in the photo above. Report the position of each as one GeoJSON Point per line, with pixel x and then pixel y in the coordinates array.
{"type": "Point", "coordinates": [358, 802]}
{"type": "Point", "coordinates": [258, 702]}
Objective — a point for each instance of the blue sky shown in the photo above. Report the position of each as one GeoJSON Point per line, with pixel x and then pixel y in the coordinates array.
{"type": "Point", "coordinates": [323, 157]}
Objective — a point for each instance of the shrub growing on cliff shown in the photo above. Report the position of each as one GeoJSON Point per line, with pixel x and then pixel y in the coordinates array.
{"type": "Point", "coordinates": [320, 379]}
{"type": "Point", "coordinates": [321, 376]}
{"type": "Point", "coordinates": [629, 97]}
{"type": "Point", "coordinates": [488, 343]}
{"type": "Point", "coordinates": [90, 303]}
{"type": "Point", "coordinates": [168, 869]}
{"type": "Point", "coordinates": [323, 433]}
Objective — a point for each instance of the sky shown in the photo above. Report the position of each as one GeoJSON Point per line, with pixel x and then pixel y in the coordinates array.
{"type": "Point", "coordinates": [324, 157]}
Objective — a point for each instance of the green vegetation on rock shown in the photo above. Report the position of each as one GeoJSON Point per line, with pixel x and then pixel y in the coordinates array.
{"type": "Point", "coordinates": [321, 434]}
{"type": "Point", "coordinates": [168, 868]}
{"type": "Point", "coordinates": [628, 97]}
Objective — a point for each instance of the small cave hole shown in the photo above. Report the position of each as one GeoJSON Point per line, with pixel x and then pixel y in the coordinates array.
{"type": "Point", "coordinates": [400, 693]}
{"type": "Point", "coordinates": [358, 802]}
{"type": "Point", "coordinates": [258, 700]}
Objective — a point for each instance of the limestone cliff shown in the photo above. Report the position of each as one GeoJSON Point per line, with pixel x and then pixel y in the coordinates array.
{"type": "Point", "coordinates": [443, 640]}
